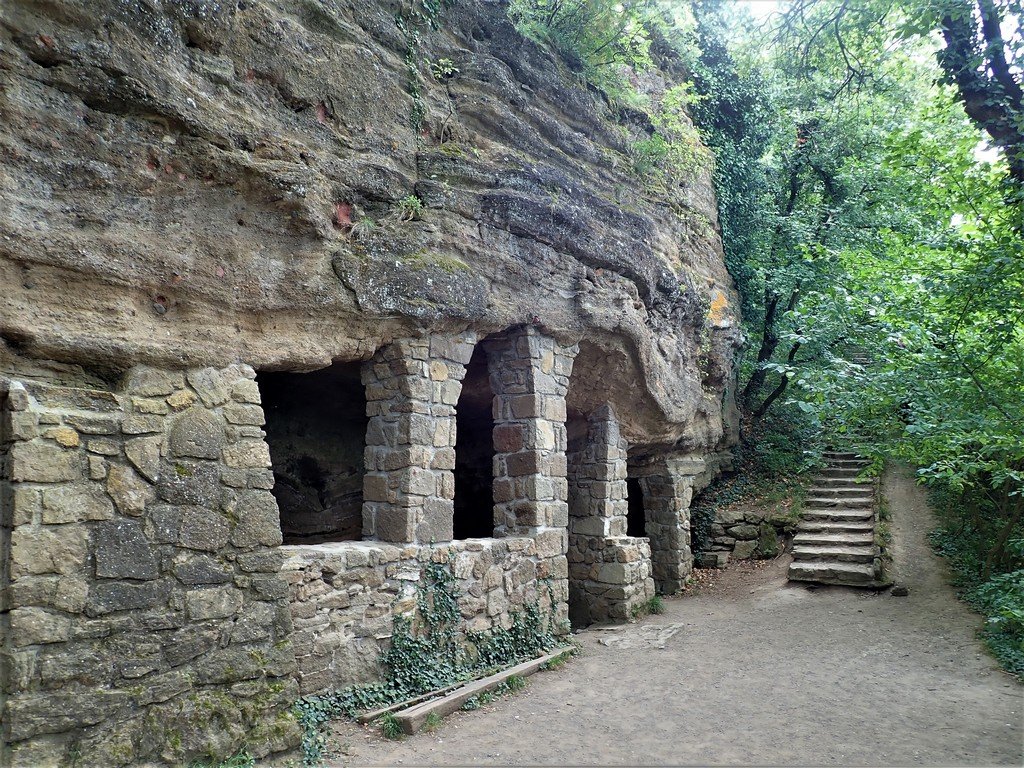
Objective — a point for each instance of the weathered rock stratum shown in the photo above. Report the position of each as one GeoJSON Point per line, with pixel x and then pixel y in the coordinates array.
{"type": "Point", "coordinates": [194, 183]}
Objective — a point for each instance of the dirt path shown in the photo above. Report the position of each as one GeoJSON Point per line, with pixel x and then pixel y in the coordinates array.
{"type": "Point", "coordinates": [749, 670]}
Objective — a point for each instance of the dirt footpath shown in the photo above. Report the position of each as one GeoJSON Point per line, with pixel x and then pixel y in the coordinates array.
{"type": "Point", "coordinates": [747, 670]}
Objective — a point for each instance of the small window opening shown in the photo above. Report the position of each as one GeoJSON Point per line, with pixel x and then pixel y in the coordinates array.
{"type": "Point", "coordinates": [474, 452]}
{"type": "Point", "coordinates": [636, 516]}
{"type": "Point", "coordinates": [316, 429]}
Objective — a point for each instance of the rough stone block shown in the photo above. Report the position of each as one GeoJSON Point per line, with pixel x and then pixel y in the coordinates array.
{"type": "Point", "coordinates": [589, 526]}
{"type": "Point", "coordinates": [258, 520]}
{"type": "Point", "coordinates": [130, 493]}
{"type": "Point", "coordinates": [122, 551]}
{"type": "Point", "coordinates": [103, 447]}
{"type": "Point", "coordinates": [744, 549]}
{"type": "Point", "coordinates": [108, 597]}
{"type": "Point", "coordinates": [181, 400]}
{"type": "Point", "coordinates": [197, 570]}
{"type": "Point", "coordinates": [246, 391]}
{"type": "Point", "coordinates": [552, 542]}
{"type": "Point", "coordinates": [395, 524]}
{"type": "Point", "coordinates": [444, 459]}
{"type": "Point", "coordinates": [422, 482]}
{"type": "Point", "coordinates": [213, 603]}
{"type": "Point", "coordinates": [248, 454]}
{"type": "Point", "coordinates": [150, 405]}
{"type": "Point", "coordinates": [244, 414]}
{"type": "Point", "coordinates": [40, 462]}
{"type": "Point", "coordinates": [153, 382]}
{"type": "Point", "coordinates": [52, 549]}
{"type": "Point", "coordinates": [213, 386]}
{"type": "Point", "coordinates": [190, 483]}
{"type": "Point", "coordinates": [142, 424]}
{"type": "Point", "coordinates": [36, 626]}
{"type": "Point", "coordinates": [198, 434]}
{"type": "Point", "coordinates": [21, 425]}
{"type": "Point", "coordinates": [144, 454]}
{"type": "Point", "coordinates": [203, 529]}
{"type": "Point", "coordinates": [75, 503]}
{"type": "Point", "coordinates": [97, 468]}
{"type": "Point", "coordinates": [267, 561]}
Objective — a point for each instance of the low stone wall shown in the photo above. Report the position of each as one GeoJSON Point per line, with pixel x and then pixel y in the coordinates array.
{"type": "Point", "coordinates": [345, 595]}
{"type": "Point", "coordinates": [141, 591]}
{"type": "Point", "coordinates": [610, 578]}
{"type": "Point", "coordinates": [743, 533]}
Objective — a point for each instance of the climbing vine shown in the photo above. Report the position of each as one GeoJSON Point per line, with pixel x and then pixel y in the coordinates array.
{"type": "Point", "coordinates": [424, 13]}
{"type": "Point", "coordinates": [428, 651]}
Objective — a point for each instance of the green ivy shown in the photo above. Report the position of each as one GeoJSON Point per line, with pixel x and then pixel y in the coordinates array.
{"type": "Point", "coordinates": [429, 651]}
{"type": "Point", "coordinates": [425, 13]}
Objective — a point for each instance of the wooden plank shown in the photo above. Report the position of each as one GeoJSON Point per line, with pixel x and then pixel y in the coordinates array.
{"type": "Point", "coordinates": [412, 718]}
{"type": "Point", "coordinates": [369, 717]}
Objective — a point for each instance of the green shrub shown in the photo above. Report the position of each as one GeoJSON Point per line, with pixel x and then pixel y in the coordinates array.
{"type": "Point", "coordinates": [240, 760]}
{"type": "Point", "coordinates": [409, 208]}
{"type": "Point", "coordinates": [390, 728]}
{"type": "Point", "coordinates": [599, 37]}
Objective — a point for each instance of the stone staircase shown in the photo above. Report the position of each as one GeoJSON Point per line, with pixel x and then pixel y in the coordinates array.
{"type": "Point", "coordinates": [835, 539]}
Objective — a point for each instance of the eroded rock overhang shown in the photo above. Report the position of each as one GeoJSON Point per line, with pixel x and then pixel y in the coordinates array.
{"type": "Point", "coordinates": [192, 188]}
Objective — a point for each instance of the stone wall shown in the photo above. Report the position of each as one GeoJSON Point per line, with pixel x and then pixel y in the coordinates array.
{"type": "Point", "coordinates": [609, 572]}
{"type": "Point", "coordinates": [153, 613]}
{"type": "Point", "coordinates": [345, 596]}
{"type": "Point", "coordinates": [742, 533]}
{"type": "Point", "coordinates": [669, 481]}
{"type": "Point", "coordinates": [147, 619]}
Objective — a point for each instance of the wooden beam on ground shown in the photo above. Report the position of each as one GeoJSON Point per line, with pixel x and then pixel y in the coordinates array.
{"type": "Point", "coordinates": [412, 718]}
{"type": "Point", "coordinates": [369, 717]}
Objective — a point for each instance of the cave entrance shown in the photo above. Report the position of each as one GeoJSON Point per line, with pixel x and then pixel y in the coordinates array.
{"type": "Point", "coordinates": [474, 452]}
{"type": "Point", "coordinates": [636, 512]}
{"type": "Point", "coordinates": [316, 430]}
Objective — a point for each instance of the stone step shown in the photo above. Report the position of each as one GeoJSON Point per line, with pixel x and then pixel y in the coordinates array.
{"type": "Point", "coordinates": [829, 455]}
{"type": "Point", "coordinates": [834, 553]}
{"type": "Point", "coordinates": [853, 489]}
{"type": "Point", "coordinates": [837, 501]}
{"type": "Point", "coordinates": [848, 475]}
{"type": "Point", "coordinates": [859, 464]}
{"type": "Point", "coordinates": [849, 574]}
{"type": "Point", "coordinates": [843, 515]}
{"type": "Point", "coordinates": [846, 481]}
{"type": "Point", "coordinates": [842, 538]}
{"type": "Point", "coordinates": [836, 526]}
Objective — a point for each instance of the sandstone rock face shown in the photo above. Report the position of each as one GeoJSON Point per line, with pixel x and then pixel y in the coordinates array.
{"type": "Point", "coordinates": [199, 183]}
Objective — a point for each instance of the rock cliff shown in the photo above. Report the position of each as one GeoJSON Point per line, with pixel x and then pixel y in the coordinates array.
{"type": "Point", "coordinates": [297, 297]}
{"type": "Point", "coordinates": [193, 182]}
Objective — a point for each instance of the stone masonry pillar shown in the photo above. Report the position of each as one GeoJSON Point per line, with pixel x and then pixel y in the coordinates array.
{"type": "Point", "coordinates": [609, 572]}
{"type": "Point", "coordinates": [530, 378]}
{"type": "Point", "coordinates": [667, 485]}
{"type": "Point", "coordinates": [412, 388]}
{"type": "Point", "coordinates": [598, 506]}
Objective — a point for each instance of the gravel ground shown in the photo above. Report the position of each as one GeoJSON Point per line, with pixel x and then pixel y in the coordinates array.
{"type": "Point", "coordinates": [746, 669]}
